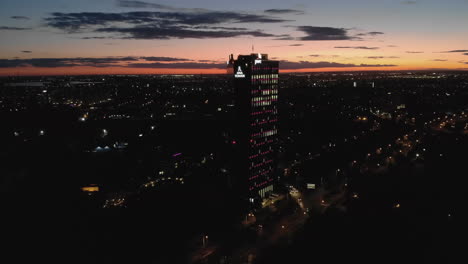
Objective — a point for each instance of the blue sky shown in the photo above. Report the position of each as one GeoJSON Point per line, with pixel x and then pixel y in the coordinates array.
{"type": "Point", "coordinates": [409, 34]}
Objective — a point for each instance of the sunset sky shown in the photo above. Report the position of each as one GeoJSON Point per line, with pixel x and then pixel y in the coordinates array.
{"type": "Point", "coordinates": [196, 36]}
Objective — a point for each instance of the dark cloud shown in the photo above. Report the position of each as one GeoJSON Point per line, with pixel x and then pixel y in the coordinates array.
{"type": "Point", "coordinates": [284, 11]}
{"type": "Point", "coordinates": [332, 33]}
{"type": "Point", "coordinates": [317, 55]}
{"type": "Point", "coordinates": [409, 2]}
{"type": "Point", "coordinates": [93, 62]}
{"type": "Point", "coordinates": [415, 52]}
{"type": "Point", "coordinates": [72, 22]}
{"type": "Point", "coordinates": [178, 65]}
{"type": "Point", "coordinates": [324, 33]}
{"type": "Point", "coordinates": [223, 28]}
{"type": "Point", "coordinates": [382, 57]}
{"type": "Point", "coordinates": [158, 63]}
{"type": "Point", "coordinates": [454, 51]}
{"type": "Point", "coordinates": [81, 21]}
{"type": "Point", "coordinates": [466, 54]}
{"type": "Point", "coordinates": [161, 25]}
{"type": "Point", "coordinates": [439, 60]}
{"type": "Point", "coordinates": [357, 47]}
{"type": "Point", "coordinates": [289, 65]}
{"type": "Point", "coordinates": [13, 28]}
{"type": "Point", "coordinates": [141, 4]}
{"type": "Point", "coordinates": [94, 37]}
{"type": "Point", "coordinates": [26, 51]}
{"type": "Point", "coordinates": [372, 33]}
{"type": "Point", "coordinates": [290, 45]}
{"type": "Point", "coordinates": [392, 46]}
{"type": "Point", "coordinates": [66, 62]}
{"type": "Point", "coordinates": [20, 17]}
{"type": "Point", "coordinates": [212, 61]}
{"type": "Point", "coordinates": [164, 59]}
{"type": "Point", "coordinates": [157, 32]}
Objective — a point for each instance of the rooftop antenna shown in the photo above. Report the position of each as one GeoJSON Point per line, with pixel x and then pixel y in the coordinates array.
{"type": "Point", "coordinates": [253, 49]}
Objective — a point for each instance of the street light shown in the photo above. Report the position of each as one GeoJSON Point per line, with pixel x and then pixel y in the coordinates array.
{"type": "Point", "coordinates": [205, 240]}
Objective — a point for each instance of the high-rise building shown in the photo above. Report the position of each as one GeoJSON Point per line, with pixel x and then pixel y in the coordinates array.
{"type": "Point", "coordinates": [256, 132]}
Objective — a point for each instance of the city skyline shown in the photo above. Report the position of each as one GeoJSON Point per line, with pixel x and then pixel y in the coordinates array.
{"type": "Point", "coordinates": [57, 37]}
{"type": "Point", "coordinates": [233, 132]}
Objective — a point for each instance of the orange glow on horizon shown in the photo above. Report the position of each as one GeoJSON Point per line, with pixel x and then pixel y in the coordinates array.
{"type": "Point", "coordinates": [32, 71]}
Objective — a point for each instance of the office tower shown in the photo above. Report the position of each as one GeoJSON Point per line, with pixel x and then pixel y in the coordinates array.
{"type": "Point", "coordinates": [256, 133]}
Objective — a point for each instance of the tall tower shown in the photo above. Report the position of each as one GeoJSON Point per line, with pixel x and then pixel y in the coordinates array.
{"type": "Point", "coordinates": [256, 132]}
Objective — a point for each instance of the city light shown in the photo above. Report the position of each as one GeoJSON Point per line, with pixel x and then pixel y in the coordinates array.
{"type": "Point", "coordinates": [335, 132]}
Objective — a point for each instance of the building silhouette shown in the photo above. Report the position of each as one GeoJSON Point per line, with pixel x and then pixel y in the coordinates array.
{"type": "Point", "coordinates": [255, 81]}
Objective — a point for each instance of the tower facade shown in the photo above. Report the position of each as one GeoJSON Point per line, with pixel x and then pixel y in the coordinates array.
{"type": "Point", "coordinates": [256, 84]}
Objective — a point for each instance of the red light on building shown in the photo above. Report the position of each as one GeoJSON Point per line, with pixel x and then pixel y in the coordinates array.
{"type": "Point", "coordinates": [255, 80]}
